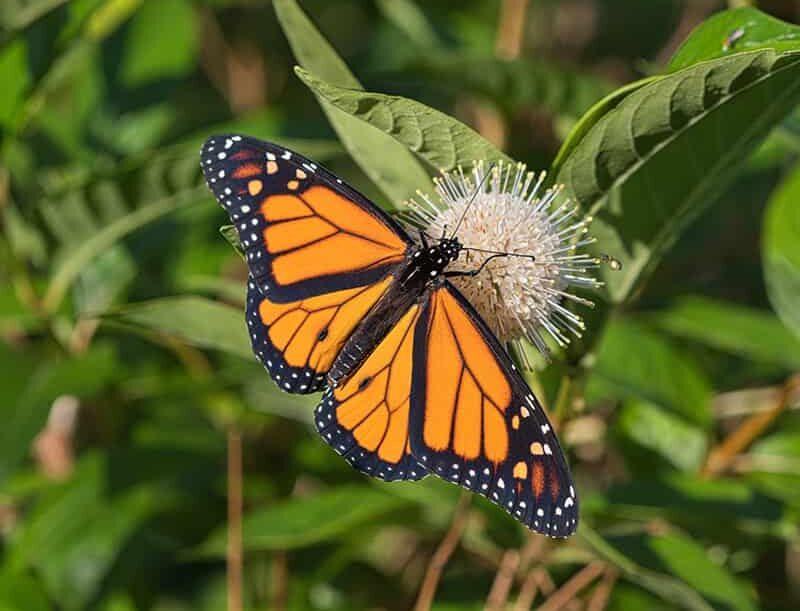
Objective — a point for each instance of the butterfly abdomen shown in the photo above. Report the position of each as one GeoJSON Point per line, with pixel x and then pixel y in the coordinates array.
{"type": "Point", "coordinates": [383, 316]}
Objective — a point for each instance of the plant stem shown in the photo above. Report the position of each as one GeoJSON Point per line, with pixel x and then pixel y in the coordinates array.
{"type": "Point", "coordinates": [503, 580]}
{"type": "Point", "coordinates": [563, 399]}
{"type": "Point", "coordinates": [433, 573]}
{"type": "Point", "coordinates": [722, 456]}
{"type": "Point", "coordinates": [572, 588]}
{"type": "Point", "coordinates": [511, 29]}
{"type": "Point", "coordinates": [234, 520]}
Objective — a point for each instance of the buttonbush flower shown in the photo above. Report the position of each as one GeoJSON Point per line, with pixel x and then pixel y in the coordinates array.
{"type": "Point", "coordinates": [518, 296]}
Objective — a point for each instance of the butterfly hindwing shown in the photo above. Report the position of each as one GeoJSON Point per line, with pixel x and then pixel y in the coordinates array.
{"type": "Point", "coordinates": [366, 417]}
{"type": "Point", "coordinates": [475, 422]}
{"type": "Point", "coordinates": [304, 231]}
{"type": "Point", "coordinates": [297, 342]}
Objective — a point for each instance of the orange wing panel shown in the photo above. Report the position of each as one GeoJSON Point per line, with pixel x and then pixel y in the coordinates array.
{"type": "Point", "coordinates": [366, 418]}
{"type": "Point", "coordinates": [324, 234]}
{"type": "Point", "coordinates": [467, 377]}
{"type": "Point", "coordinates": [474, 421]}
{"type": "Point", "coordinates": [299, 341]}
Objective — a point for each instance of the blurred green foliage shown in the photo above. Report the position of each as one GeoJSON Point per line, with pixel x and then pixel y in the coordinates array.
{"type": "Point", "coordinates": [126, 371]}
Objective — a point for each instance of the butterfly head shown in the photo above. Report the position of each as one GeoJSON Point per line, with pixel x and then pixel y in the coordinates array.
{"type": "Point", "coordinates": [450, 247]}
{"type": "Point", "coordinates": [443, 253]}
{"type": "Point", "coordinates": [432, 259]}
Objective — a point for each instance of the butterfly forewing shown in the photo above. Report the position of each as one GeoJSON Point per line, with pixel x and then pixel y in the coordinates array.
{"type": "Point", "coordinates": [304, 232]}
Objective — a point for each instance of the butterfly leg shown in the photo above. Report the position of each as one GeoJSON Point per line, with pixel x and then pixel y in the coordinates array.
{"type": "Point", "coordinates": [474, 272]}
{"type": "Point", "coordinates": [423, 237]}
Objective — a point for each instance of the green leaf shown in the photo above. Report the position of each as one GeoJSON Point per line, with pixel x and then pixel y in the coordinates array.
{"type": "Point", "coordinates": [119, 602]}
{"type": "Point", "coordinates": [651, 427]}
{"type": "Point", "coordinates": [409, 18]}
{"type": "Point", "coordinates": [649, 166]}
{"type": "Point", "coordinates": [25, 241]}
{"type": "Point", "coordinates": [75, 533]}
{"type": "Point", "coordinates": [83, 214]}
{"type": "Point", "coordinates": [781, 252]}
{"type": "Point", "coordinates": [691, 563]}
{"type": "Point", "coordinates": [263, 395]}
{"type": "Point", "coordinates": [387, 163]}
{"type": "Point", "coordinates": [232, 237]}
{"type": "Point", "coordinates": [108, 16]}
{"type": "Point", "coordinates": [16, 15]}
{"type": "Point", "coordinates": [725, 508]}
{"type": "Point", "coordinates": [519, 84]}
{"type": "Point", "coordinates": [14, 73]}
{"type": "Point", "coordinates": [26, 412]}
{"type": "Point", "coordinates": [76, 571]}
{"type": "Point", "coordinates": [103, 281]}
{"type": "Point", "coordinates": [15, 316]}
{"type": "Point", "coordinates": [626, 596]}
{"type": "Point", "coordinates": [160, 43]}
{"type": "Point", "coordinates": [735, 31]}
{"type": "Point", "coordinates": [748, 332]}
{"type": "Point", "coordinates": [589, 118]}
{"type": "Point", "coordinates": [439, 139]}
{"type": "Point", "coordinates": [72, 265]}
{"type": "Point", "coordinates": [226, 289]}
{"type": "Point", "coordinates": [68, 56]}
{"type": "Point", "coordinates": [664, 586]}
{"type": "Point", "coordinates": [774, 466]}
{"type": "Point", "coordinates": [634, 361]}
{"type": "Point", "coordinates": [597, 111]}
{"type": "Point", "coordinates": [80, 11]}
{"type": "Point", "coordinates": [21, 592]}
{"type": "Point", "coordinates": [300, 523]}
{"type": "Point", "coordinates": [195, 320]}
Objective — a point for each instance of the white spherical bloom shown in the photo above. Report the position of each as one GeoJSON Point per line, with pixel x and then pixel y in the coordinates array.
{"type": "Point", "coordinates": [520, 295]}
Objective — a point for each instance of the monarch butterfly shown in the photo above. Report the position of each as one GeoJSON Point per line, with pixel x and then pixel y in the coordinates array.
{"type": "Point", "coordinates": [342, 300]}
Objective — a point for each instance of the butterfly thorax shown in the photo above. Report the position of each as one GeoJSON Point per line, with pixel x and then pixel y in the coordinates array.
{"type": "Point", "coordinates": [428, 262]}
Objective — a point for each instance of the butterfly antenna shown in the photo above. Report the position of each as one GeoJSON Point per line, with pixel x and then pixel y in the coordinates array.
{"type": "Point", "coordinates": [501, 253]}
{"type": "Point", "coordinates": [472, 198]}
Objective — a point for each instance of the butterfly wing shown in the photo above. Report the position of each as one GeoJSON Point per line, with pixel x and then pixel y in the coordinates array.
{"type": "Point", "coordinates": [474, 421]}
{"type": "Point", "coordinates": [304, 231]}
{"type": "Point", "coordinates": [298, 341]}
{"type": "Point", "coordinates": [320, 254]}
{"type": "Point", "coordinates": [366, 417]}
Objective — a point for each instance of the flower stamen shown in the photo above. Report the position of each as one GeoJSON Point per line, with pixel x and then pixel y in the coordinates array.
{"type": "Point", "coordinates": [503, 211]}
